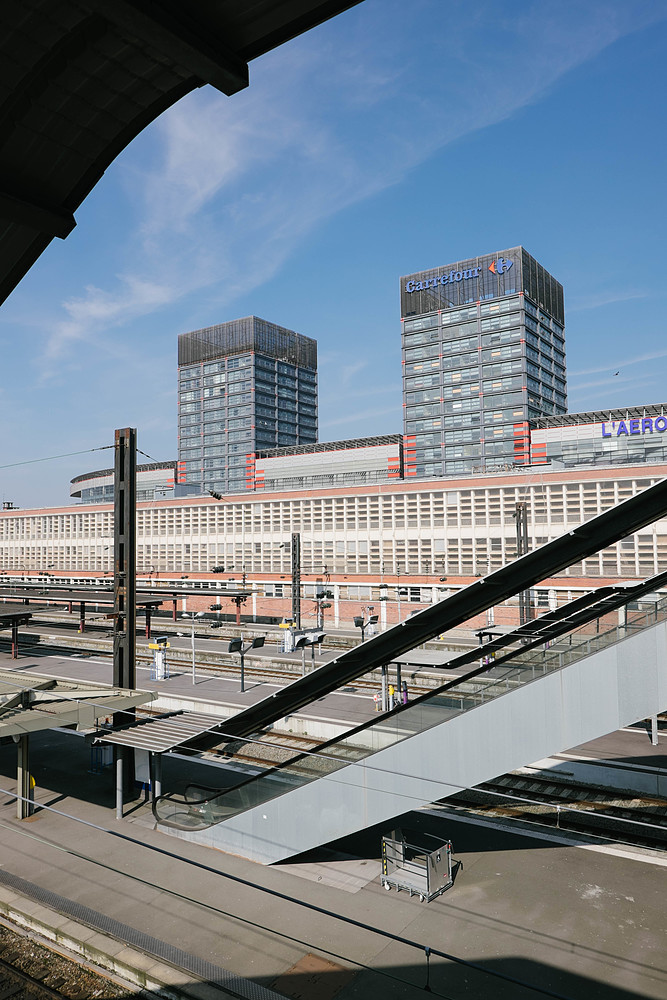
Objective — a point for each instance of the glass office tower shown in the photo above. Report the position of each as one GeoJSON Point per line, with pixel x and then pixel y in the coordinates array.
{"type": "Point", "coordinates": [242, 386]}
{"type": "Point", "coordinates": [483, 357]}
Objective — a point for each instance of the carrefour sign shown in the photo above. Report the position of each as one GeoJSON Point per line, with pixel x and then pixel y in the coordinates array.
{"type": "Point", "coordinates": [498, 266]}
{"type": "Point", "coordinates": [637, 425]}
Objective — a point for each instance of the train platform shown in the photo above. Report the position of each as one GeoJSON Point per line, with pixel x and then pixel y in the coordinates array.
{"type": "Point", "coordinates": [560, 913]}
{"type": "Point", "coordinates": [572, 918]}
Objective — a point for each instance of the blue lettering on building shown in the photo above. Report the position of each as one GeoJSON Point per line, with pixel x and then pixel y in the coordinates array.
{"type": "Point", "coordinates": [442, 279]}
{"type": "Point", "coordinates": [635, 425]}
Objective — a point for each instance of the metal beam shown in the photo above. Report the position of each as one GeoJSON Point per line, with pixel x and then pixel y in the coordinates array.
{"type": "Point", "coordinates": [509, 580]}
{"type": "Point", "coordinates": [125, 588]}
{"type": "Point", "coordinates": [48, 219]}
{"type": "Point", "coordinates": [180, 38]}
{"type": "Point", "coordinates": [125, 583]}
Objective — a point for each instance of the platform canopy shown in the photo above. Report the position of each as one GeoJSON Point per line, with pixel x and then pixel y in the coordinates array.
{"type": "Point", "coordinates": [30, 703]}
{"type": "Point", "coordinates": [159, 734]}
{"type": "Point", "coordinates": [79, 79]}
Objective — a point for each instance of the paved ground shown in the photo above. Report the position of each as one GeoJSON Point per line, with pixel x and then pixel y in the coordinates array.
{"type": "Point", "coordinates": [581, 923]}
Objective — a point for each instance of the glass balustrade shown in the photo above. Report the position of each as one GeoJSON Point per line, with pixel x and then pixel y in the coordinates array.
{"type": "Point", "coordinates": [200, 807]}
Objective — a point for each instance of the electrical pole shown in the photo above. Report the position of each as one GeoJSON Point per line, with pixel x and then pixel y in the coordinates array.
{"type": "Point", "coordinates": [296, 580]}
{"type": "Point", "coordinates": [521, 516]}
{"type": "Point", "coordinates": [125, 594]}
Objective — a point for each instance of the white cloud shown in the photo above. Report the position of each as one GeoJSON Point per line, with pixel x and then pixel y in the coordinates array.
{"type": "Point", "coordinates": [234, 185]}
{"type": "Point", "coordinates": [620, 365]}
{"type": "Point", "coordinates": [601, 299]}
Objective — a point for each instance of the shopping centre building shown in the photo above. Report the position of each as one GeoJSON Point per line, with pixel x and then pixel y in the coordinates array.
{"type": "Point", "coordinates": [409, 542]}
{"type": "Point", "coordinates": [483, 357]}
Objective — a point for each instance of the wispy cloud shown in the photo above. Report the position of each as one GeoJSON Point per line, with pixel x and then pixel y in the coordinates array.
{"type": "Point", "coordinates": [602, 299]}
{"type": "Point", "coordinates": [232, 186]}
{"type": "Point", "coordinates": [620, 364]}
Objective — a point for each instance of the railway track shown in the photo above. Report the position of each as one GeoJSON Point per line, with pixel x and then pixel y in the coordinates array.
{"type": "Point", "coordinates": [629, 818]}
{"type": "Point", "coordinates": [31, 971]}
{"type": "Point", "coordinates": [266, 675]}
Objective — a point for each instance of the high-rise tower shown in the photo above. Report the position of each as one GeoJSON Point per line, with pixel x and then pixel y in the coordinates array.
{"type": "Point", "coordinates": [242, 386]}
{"type": "Point", "coordinates": [483, 356]}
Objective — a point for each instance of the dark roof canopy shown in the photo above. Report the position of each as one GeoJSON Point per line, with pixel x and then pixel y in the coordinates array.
{"type": "Point", "coordinates": [79, 79]}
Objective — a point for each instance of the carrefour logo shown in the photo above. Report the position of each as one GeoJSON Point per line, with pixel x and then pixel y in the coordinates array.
{"type": "Point", "coordinates": [500, 266]}
{"type": "Point", "coordinates": [496, 267]}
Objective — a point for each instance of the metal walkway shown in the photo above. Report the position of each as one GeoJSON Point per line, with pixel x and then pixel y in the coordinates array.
{"type": "Point", "coordinates": [596, 675]}
{"type": "Point", "coordinates": [568, 677]}
{"type": "Point", "coordinates": [525, 572]}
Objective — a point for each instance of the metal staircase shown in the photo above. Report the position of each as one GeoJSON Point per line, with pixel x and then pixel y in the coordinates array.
{"type": "Point", "coordinates": [565, 678]}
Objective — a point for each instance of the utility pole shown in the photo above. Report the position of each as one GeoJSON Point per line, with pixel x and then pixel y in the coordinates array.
{"type": "Point", "coordinates": [125, 595]}
{"type": "Point", "coordinates": [521, 517]}
{"type": "Point", "coordinates": [296, 580]}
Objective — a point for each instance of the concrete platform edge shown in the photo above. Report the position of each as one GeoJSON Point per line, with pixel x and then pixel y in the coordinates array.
{"type": "Point", "coordinates": [109, 953]}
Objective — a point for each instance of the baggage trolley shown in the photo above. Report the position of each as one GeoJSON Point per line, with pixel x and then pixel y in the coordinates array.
{"type": "Point", "coordinates": [416, 864]}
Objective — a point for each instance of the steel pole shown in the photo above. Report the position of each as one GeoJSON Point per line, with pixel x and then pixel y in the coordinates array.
{"type": "Point", "coordinates": [194, 677]}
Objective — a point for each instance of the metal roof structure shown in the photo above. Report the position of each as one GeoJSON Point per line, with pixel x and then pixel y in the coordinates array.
{"type": "Point", "coordinates": [324, 446]}
{"type": "Point", "coordinates": [15, 614]}
{"type": "Point", "coordinates": [602, 416]}
{"type": "Point", "coordinates": [146, 467]}
{"type": "Point", "coordinates": [33, 703]}
{"type": "Point", "coordinates": [166, 732]}
{"type": "Point", "coordinates": [79, 79]}
{"type": "Point", "coordinates": [104, 595]}
{"type": "Point", "coordinates": [54, 595]}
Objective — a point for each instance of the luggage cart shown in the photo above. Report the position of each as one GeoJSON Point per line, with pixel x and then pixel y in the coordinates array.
{"type": "Point", "coordinates": [416, 865]}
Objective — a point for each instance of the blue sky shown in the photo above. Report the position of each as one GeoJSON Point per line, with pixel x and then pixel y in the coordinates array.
{"type": "Point", "coordinates": [395, 137]}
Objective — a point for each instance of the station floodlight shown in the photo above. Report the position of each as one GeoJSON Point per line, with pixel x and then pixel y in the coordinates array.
{"type": "Point", "coordinates": [373, 620]}
{"type": "Point", "coordinates": [300, 642]}
{"type": "Point", "coordinates": [235, 646]}
{"type": "Point", "coordinates": [316, 638]}
{"type": "Point", "coordinates": [359, 621]}
{"type": "Point", "coordinates": [257, 642]}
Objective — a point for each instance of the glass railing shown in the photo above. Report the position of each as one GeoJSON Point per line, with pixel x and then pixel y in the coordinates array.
{"type": "Point", "coordinates": [202, 807]}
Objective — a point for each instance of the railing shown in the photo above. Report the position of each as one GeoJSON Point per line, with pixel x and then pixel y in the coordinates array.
{"type": "Point", "coordinates": [201, 807]}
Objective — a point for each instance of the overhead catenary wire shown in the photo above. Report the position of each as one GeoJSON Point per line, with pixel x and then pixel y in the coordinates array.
{"type": "Point", "coordinates": [70, 454]}
{"type": "Point", "coordinates": [52, 458]}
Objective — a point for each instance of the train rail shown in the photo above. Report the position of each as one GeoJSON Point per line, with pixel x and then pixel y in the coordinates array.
{"type": "Point", "coordinates": [31, 971]}
{"type": "Point", "coordinates": [253, 673]}
{"type": "Point", "coordinates": [569, 806]}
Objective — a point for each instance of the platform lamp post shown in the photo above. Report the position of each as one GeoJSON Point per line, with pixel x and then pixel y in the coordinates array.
{"type": "Point", "coordinates": [236, 646]}
{"type": "Point", "coordinates": [323, 598]}
{"type": "Point", "coordinates": [363, 625]}
{"type": "Point", "coordinates": [192, 619]}
{"type": "Point", "coordinates": [311, 639]}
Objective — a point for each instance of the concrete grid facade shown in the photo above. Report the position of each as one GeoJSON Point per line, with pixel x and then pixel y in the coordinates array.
{"type": "Point", "coordinates": [364, 542]}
